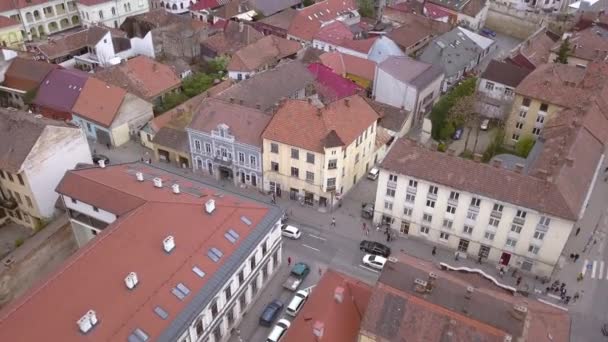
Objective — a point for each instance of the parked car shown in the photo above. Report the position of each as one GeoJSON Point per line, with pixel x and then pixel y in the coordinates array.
{"type": "Point", "coordinates": [374, 261]}
{"type": "Point", "coordinates": [297, 302]}
{"type": "Point", "coordinates": [367, 210]}
{"type": "Point", "coordinates": [270, 313]}
{"type": "Point", "coordinates": [375, 248]}
{"type": "Point", "coordinates": [290, 232]}
{"type": "Point", "coordinates": [457, 134]}
{"type": "Point", "coordinates": [278, 331]}
{"type": "Point", "coordinates": [487, 32]}
{"type": "Point", "coordinates": [373, 174]}
{"type": "Point", "coordinates": [98, 157]}
{"type": "Point", "coordinates": [296, 276]}
{"type": "Point", "coordinates": [484, 125]}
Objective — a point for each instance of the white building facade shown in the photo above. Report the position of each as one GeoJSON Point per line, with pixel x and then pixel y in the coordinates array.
{"type": "Point", "coordinates": [111, 13]}
{"type": "Point", "coordinates": [470, 224]}
{"type": "Point", "coordinates": [45, 18]}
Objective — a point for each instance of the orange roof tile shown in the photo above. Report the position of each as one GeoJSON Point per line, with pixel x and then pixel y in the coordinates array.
{"type": "Point", "coordinates": [308, 21]}
{"type": "Point", "coordinates": [266, 51]}
{"type": "Point", "coordinates": [342, 64]}
{"type": "Point", "coordinates": [99, 102]}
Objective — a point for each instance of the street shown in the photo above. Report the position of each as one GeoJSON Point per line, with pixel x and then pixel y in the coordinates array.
{"type": "Point", "coordinates": [322, 245]}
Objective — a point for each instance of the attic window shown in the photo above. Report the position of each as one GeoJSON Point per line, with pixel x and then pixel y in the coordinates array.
{"type": "Point", "coordinates": [231, 235]}
{"type": "Point", "coordinates": [180, 291]}
{"type": "Point", "coordinates": [215, 254]}
{"type": "Point", "coordinates": [161, 312]}
{"type": "Point", "coordinates": [138, 335]}
{"type": "Point", "coordinates": [246, 220]}
{"type": "Point", "coordinates": [198, 271]}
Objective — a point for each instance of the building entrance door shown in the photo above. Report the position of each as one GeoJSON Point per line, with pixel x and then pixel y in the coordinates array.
{"type": "Point", "coordinates": [505, 258]}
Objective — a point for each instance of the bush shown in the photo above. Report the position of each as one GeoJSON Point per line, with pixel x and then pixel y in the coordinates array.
{"type": "Point", "coordinates": [19, 242]}
{"type": "Point", "coordinates": [439, 113]}
{"type": "Point", "coordinates": [447, 131]}
{"type": "Point", "coordinates": [442, 147]}
{"type": "Point", "coordinates": [466, 154]}
{"type": "Point", "coordinates": [196, 84]}
{"type": "Point", "coordinates": [170, 101]}
{"type": "Point", "coordinates": [524, 146]}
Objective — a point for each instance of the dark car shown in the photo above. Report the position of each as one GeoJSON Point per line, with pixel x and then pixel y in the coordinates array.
{"type": "Point", "coordinates": [457, 134]}
{"type": "Point", "coordinates": [375, 248]}
{"type": "Point", "coordinates": [487, 32]}
{"type": "Point", "coordinates": [270, 313]}
{"type": "Point", "coordinates": [98, 157]}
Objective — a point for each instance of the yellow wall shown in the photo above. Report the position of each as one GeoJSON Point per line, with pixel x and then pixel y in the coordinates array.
{"type": "Point", "coordinates": [363, 82]}
{"type": "Point", "coordinates": [12, 36]}
{"type": "Point", "coordinates": [174, 155]}
{"type": "Point", "coordinates": [529, 122]}
{"type": "Point", "coordinates": [120, 134]}
{"type": "Point", "coordinates": [21, 193]}
{"type": "Point", "coordinates": [344, 173]}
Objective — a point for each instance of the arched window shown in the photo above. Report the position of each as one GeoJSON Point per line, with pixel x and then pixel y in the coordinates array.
{"type": "Point", "coordinates": [181, 5]}
{"type": "Point", "coordinates": [174, 7]}
{"type": "Point", "coordinates": [113, 11]}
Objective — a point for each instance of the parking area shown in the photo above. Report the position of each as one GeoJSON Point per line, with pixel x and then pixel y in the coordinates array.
{"type": "Point", "coordinates": [477, 143]}
{"type": "Point", "coordinates": [12, 235]}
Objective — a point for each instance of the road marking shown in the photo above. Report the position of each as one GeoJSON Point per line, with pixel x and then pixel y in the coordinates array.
{"type": "Point", "coordinates": [601, 274]}
{"type": "Point", "coordinates": [317, 237]}
{"type": "Point", "coordinates": [593, 270]}
{"type": "Point", "coordinates": [369, 268]}
{"type": "Point", "coordinates": [585, 265]}
{"type": "Point", "coordinates": [554, 296]}
{"type": "Point", "coordinates": [315, 249]}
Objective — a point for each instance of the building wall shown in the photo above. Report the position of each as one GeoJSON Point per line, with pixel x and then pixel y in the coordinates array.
{"type": "Point", "coordinates": [175, 156]}
{"type": "Point", "coordinates": [347, 173]}
{"type": "Point", "coordinates": [476, 22]}
{"type": "Point", "coordinates": [57, 150]}
{"type": "Point", "coordinates": [105, 49]}
{"type": "Point", "coordinates": [391, 209]}
{"type": "Point", "coordinates": [495, 90]}
{"type": "Point", "coordinates": [326, 46]}
{"type": "Point", "coordinates": [11, 187]}
{"type": "Point", "coordinates": [205, 147]}
{"type": "Point", "coordinates": [143, 46]}
{"type": "Point", "coordinates": [135, 112]}
{"type": "Point", "coordinates": [12, 37]}
{"type": "Point", "coordinates": [60, 15]}
{"type": "Point", "coordinates": [240, 75]}
{"type": "Point", "coordinates": [111, 13]}
{"type": "Point", "coordinates": [269, 29]}
{"type": "Point", "coordinates": [91, 128]}
{"type": "Point", "coordinates": [529, 122]}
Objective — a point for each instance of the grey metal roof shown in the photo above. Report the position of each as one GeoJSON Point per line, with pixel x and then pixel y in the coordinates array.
{"type": "Point", "coordinates": [452, 50]}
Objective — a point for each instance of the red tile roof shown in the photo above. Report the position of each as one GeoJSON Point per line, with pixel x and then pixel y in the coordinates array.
{"type": "Point", "coordinates": [308, 21]}
{"type": "Point", "coordinates": [7, 22]}
{"type": "Point", "coordinates": [589, 44]}
{"type": "Point", "coordinates": [334, 33]}
{"type": "Point", "coordinates": [341, 320]}
{"type": "Point", "coordinates": [204, 4]}
{"type": "Point", "coordinates": [94, 277]}
{"type": "Point", "coordinates": [299, 123]}
{"type": "Point", "coordinates": [26, 74]}
{"type": "Point", "coordinates": [415, 28]}
{"type": "Point", "coordinates": [434, 11]}
{"type": "Point", "coordinates": [99, 102]}
{"type": "Point", "coordinates": [342, 64]}
{"type": "Point", "coordinates": [141, 76]}
{"type": "Point", "coordinates": [332, 86]}
{"type": "Point", "coordinates": [558, 84]}
{"type": "Point", "coordinates": [263, 53]}
{"type": "Point", "coordinates": [408, 158]}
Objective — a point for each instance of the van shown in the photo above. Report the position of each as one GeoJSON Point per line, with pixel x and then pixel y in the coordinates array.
{"type": "Point", "coordinates": [373, 173]}
{"type": "Point", "coordinates": [296, 303]}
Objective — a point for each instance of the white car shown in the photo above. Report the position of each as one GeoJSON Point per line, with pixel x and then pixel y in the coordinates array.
{"type": "Point", "coordinates": [373, 174]}
{"type": "Point", "coordinates": [484, 125]}
{"type": "Point", "coordinates": [374, 261]}
{"type": "Point", "coordinates": [296, 303]}
{"type": "Point", "coordinates": [290, 232]}
{"type": "Point", "coordinates": [278, 331]}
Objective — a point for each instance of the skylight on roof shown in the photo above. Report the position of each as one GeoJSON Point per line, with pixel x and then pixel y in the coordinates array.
{"type": "Point", "coordinates": [138, 335]}
{"type": "Point", "coordinates": [215, 254]}
{"type": "Point", "coordinates": [246, 220]}
{"type": "Point", "coordinates": [231, 235]}
{"type": "Point", "coordinates": [198, 271]}
{"type": "Point", "coordinates": [161, 312]}
{"type": "Point", "coordinates": [180, 291]}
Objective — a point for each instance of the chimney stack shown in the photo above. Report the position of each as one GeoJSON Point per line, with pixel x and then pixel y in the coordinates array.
{"type": "Point", "coordinates": [139, 176]}
{"type": "Point", "coordinates": [469, 294]}
{"type": "Point", "coordinates": [168, 243]}
{"type": "Point", "coordinates": [241, 101]}
{"type": "Point", "coordinates": [497, 162]}
{"type": "Point", "coordinates": [210, 206]}
{"type": "Point", "coordinates": [519, 168]}
{"type": "Point", "coordinates": [309, 100]}
{"type": "Point", "coordinates": [175, 188]}
{"type": "Point", "coordinates": [102, 163]}
{"type": "Point", "coordinates": [87, 322]}
{"type": "Point", "coordinates": [131, 280]}
{"type": "Point", "coordinates": [519, 312]}
{"type": "Point", "coordinates": [258, 106]}
{"type": "Point", "coordinates": [158, 182]}
{"type": "Point", "coordinates": [339, 294]}
{"type": "Point", "coordinates": [318, 328]}
{"type": "Point", "coordinates": [430, 283]}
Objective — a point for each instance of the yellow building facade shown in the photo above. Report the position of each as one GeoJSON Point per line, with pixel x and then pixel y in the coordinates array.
{"type": "Point", "coordinates": [10, 34]}
{"type": "Point", "coordinates": [527, 118]}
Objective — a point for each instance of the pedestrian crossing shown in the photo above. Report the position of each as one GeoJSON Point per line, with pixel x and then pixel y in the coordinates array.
{"type": "Point", "coordinates": [594, 269]}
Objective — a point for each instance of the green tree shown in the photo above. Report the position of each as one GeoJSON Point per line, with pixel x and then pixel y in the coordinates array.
{"type": "Point", "coordinates": [196, 84]}
{"type": "Point", "coordinates": [29, 96]}
{"type": "Point", "coordinates": [447, 131]}
{"type": "Point", "coordinates": [170, 101]}
{"type": "Point", "coordinates": [217, 66]}
{"type": "Point", "coordinates": [462, 114]}
{"type": "Point", "coordinates": [440, 113]}
{"type": "Point", "coordinates": [524, 146]}
{"type": "Point", "coordinates": [366, 8]}
{"type": "Point", "coordinates": [563, 52]}
{"type": "Point", "coordinates": [307, 3]}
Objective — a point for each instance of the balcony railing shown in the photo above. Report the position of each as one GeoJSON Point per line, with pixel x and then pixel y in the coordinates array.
{"type": "Point", "coordinates": [391, 184]}
{"type": "Point", "coordinates": [411, 190]}
{"type": "Point", "coordinates": [88, 220]}
{"type": "Point", "coordinates": [519, 220]}
{"type": "Point", "coordinates": [496, 214]}
{"type": "Point", "coordinates": [226, 161]}
{"type": "Point", "coordinates": [9, 204]}
{"type": "Point", "coordinates": [330, 188]}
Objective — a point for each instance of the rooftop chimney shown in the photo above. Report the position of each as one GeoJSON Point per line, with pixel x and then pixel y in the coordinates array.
{"type": "Point", "coordinates": [102, 163]}
{"type": "Point", "coordinates": [339, 294]}
{"type": "Point", "coordinates": [519, 168]}
{"type": "Point", "coordinates": [469, 294]}
{"type": "Point", "coordinates": [158, 182]}
{"type": "Point", "coordinates": [139, 176]}
{"type": "Point", "coordinates": [241, 102]}
{"type": "Point", "coordinates": [175, 188]}
{"type": "Point", "coordinates": [87, 322]}
{"type": "Point", "coordinates": [420, 285]}
{"type": "Point", "coordinates": [309, 100]}
{"type": "Point", "coordinates": [210, 206]}
{"type": "Point", "coordinates": [519, 312]}
{"type": "Point", "coordinates": [430, 283]}
{"type": "Point", "coordinates": [169, 243]}
{"type": "Point", "coordinates": [131, 280]}
{"type": "Point", "coordinates": [318, 328]}
{"type": "Point", "coordinates": [497, 162]}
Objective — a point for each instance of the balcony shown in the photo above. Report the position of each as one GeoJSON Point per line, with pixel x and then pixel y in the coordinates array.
{"type": "Point", "coordinates": [391, 184]}
{"type": "Point", "coordinates": [496, 214]}
{"type": "Point", "coordinates": [225, 161]}
{"type": "Point", "coordinates": [330, 188]}
{"type": "Point", "coordinates": [9, 204]}
{"type": "Point", "coordinates": [542, 228]}
{"type": "Point", "coordinates": [87, 220]}
{"type": "Point", "coordinates": [519, 220]}
{"type": "Point", "coordinates": [453, 202]}
{"type": "Point", "coordinates": [411, 190]}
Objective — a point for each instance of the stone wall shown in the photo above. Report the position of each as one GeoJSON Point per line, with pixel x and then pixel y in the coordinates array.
{"type": "Point", "coordinates": [521, 23]}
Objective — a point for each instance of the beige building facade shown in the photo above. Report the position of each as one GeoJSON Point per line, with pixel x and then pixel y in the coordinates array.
{"type": "Point", "coordinates": [527, 118]}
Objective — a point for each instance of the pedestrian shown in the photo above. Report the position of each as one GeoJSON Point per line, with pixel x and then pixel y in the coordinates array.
{"type": "Point", "coordinates": [108, 145]}
{"type": "Point", "coordinates": [456, 256]}
{"type": "Point", "coordinates": [150, 161]}
{"type": "Point", "coordinates": [576, 256]}
{"type": "Point", "coordinates": [578, 230]}
{"type": "Point", "coordinates": [576, 296]}
{"type": "Point", "coordinates": [288, 261]}
{"type": "Point", "coordinates": [142, 159]}
{"type": "Point", "coordinates": [388, 238]}
{"type": "Point", "coordinates": [518, 281]}
{"type": "Point", "coordinates": [434, 251]}
{"type": "Point", "coordinates": [479, 260]}
{"type": "Point", "coordinates": [571, 255]}
{"type": "Point", "coordinates": [320, 271]}
{"type": "Point", "coordinates": [501, 272]}
{"type": "Point", "coordinates": [333, 221]}
{"type": "Point", "coordinates": [366, 231]}
{"type": "Point", "coordinates": [378, 228]}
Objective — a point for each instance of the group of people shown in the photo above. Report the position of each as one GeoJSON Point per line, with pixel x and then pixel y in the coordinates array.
{"type": "Point", "coordinates": [560, 288]}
